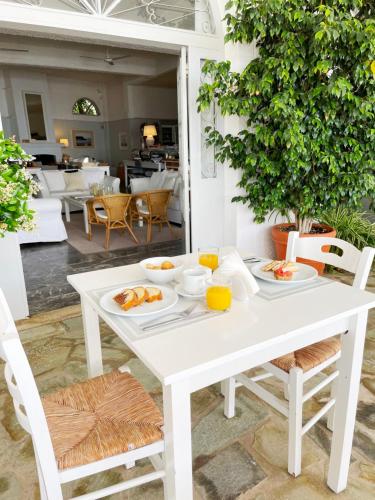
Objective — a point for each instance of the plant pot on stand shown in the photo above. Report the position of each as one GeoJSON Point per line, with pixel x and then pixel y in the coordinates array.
{"type": "Point", "coordinates": [12, 281]}
{"type": "Point", "coordinates": [280, 233]}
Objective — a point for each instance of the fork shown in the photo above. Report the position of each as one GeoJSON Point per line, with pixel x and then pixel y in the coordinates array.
{"type": "Point", "coordinates": [183, 314]}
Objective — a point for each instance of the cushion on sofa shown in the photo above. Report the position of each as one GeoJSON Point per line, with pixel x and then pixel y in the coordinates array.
{"type": "Point", "coordinates": [54, 180]}
{"type": "Point", "coordinates": [168, 183]}
{"type": "Point", "coordinates": [92, 177]}
{"type": "Point", "coordinates": [74, 181]}
{"type": "Point", "coordinates": [156, 180]}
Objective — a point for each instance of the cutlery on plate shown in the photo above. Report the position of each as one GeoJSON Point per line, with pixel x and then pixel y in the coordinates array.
{"type": "Point", "coordinates": [182, 314]}
{"type": "Point", "coordinates": [176, 320]}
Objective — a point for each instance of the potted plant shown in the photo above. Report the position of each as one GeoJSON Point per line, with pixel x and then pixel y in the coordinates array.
{"type": "Point", "coordinates": [16, 185]}
{"type": "Point", "coordinates": [308, 105]}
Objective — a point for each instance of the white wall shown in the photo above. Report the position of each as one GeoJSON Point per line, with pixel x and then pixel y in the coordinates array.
{"type": "Point", "coordinates": [152, 102]}
{"type": "Point", "coordinates": [240, 228]}
{"type": "Point", "coordinates": [65, 92]}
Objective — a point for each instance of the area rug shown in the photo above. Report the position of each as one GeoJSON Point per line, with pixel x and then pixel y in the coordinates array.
{"type": "Point", "coordinates": [119, 239]}
{"type": "Point", "coordinates": [240, 458]}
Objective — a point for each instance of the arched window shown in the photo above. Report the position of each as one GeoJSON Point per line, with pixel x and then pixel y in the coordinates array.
{"type": "Point", "coordinates": [85, 106]}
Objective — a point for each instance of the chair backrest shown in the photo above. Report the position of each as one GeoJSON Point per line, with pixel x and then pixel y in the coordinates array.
{"type": "Point", "coordinates": [115, 205]}
{"type": "Point", "coordinates": [26, 399]}
{"type": "Point", "coordinates": [352, 260]}
{"type": "Point", "coordinates": [157, 201]}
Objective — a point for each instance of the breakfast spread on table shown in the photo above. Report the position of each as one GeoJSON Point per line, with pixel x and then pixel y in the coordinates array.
{"type": "Point", "coordinates": [167, 264]}
{"type": "Point", "coordinates": [133, 297]}
{"type": "Point", "coordinates": [282, 270]}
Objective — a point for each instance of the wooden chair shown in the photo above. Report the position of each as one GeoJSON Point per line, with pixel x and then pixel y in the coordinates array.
{"type": "Point", "coordinates": [298, 367]}
{"type": "Point", "coordinates": [84, 429]}
{"type": "Point", "coordinates": [114, 215]}
{"type": "Point", "coordinates": [153, 206]}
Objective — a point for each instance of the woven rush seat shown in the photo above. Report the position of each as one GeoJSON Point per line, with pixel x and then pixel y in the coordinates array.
{"type": "Point", "coordinates": [309, 357]}
{"type": "Point", "coordinates": [99, 418]}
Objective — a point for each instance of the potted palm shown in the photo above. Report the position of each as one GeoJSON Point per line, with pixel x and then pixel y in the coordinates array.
{"type": "Point", "coordinates": [16, 185]}
{"type": "Point", "coordinates": [308, 104]}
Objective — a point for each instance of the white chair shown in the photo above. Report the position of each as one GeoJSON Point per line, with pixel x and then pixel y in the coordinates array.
{"type": "Point", "coordinates": [296, 368]}
{"type": "Point", "coordinates": [89, 427]}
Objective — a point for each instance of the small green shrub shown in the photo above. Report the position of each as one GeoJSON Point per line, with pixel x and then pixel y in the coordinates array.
{"type": "Point", "coordinates": [16, 186]}
{"type": "Point", "coordinates": [353, 227]}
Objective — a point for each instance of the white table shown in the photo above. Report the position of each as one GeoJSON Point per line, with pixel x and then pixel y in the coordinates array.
{"type": "Point", "coordinates": [78, 202]}
{"type": "Point", "coordinates": [195, 356]}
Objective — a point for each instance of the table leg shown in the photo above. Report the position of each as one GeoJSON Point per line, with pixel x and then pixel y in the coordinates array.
{"type": "Point", "coordinates": [178, 482]}
{"type": "Point", "coordinates": [85, 218]}
{"type": "Point", "coordinates": [92, 339]}
{"type": "Point", "coordinates": [67, 211]}
{"type": "Point", "coordinates": [350, 365]}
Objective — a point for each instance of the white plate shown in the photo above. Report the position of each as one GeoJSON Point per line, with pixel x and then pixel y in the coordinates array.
{"type": "Point", "coordinates": [181, 291]}
{"type": "Point", "coordinates": [170, 298]}
{"type": "Point", "coordinates": [304, 273]}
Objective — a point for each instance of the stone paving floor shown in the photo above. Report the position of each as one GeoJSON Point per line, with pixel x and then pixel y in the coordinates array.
{"type": "Point", "coordinates": [242, 458]}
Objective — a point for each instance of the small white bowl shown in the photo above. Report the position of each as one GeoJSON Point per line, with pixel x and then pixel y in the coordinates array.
{"type": "Point", "coordinates": [161, 276]}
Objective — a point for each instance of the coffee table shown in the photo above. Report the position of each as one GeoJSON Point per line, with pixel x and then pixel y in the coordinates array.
{"type": "Point", "coordinates": [78, 202]}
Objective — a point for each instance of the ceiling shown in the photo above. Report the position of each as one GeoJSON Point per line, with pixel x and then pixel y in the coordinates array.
{"type": "Point", "coordinates": [68, 59]}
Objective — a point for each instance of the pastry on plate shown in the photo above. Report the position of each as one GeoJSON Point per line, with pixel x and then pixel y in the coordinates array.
{"type": "Point", "coordinates": [283, 274]}
{"type": "Point", "coordinates": [142, 294]}
{"type": "Point", "coordinates": [154, 294]}
{"type": "Point", "coordinates": [273, 265]}
{"type": "Point", "coordinates": [126, 299]}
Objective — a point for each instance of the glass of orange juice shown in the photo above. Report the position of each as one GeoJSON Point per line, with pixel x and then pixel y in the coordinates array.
{"type": "Point", "coordinates": [219, 293]}
{"type": "Point", "coordinates": [209, 257]}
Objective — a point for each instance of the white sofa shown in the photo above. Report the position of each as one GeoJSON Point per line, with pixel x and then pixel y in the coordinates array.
{"type": "Point", "coordinates": [49, 226]}
{"type": "Point", "coordinates": [53, 184]}
{"type": "Point", "coordinates": [167, 179]}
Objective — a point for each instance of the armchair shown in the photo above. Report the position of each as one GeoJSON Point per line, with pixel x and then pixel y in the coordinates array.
{"type": "Point", "coordinates": [163, 180]}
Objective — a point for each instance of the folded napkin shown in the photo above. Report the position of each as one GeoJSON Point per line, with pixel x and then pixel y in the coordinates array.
{"type": "Point", "coordinates": [243, 282]}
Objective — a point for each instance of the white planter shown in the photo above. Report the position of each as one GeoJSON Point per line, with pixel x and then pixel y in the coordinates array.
{"type": "Point", "coordinates": [12, 280]}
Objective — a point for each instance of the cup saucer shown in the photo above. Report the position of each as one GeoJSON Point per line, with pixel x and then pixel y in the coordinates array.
{"type": "Point", "coordinates": [179, 288]}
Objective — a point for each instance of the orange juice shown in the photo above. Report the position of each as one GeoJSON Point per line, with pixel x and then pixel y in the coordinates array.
{"type": "Point", "coordinates": [210, 260]}
{"type": "Point", "coordinates": [219, 297]}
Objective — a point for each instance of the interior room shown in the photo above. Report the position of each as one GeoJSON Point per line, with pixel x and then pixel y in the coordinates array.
{"type": "Point", "coordinates": [97, 121]}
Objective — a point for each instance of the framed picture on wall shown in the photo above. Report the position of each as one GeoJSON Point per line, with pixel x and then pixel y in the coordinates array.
{"type": "Point", "coordinates": [123, 141]}
{"type": "Point", "coordinates": [83, 138]}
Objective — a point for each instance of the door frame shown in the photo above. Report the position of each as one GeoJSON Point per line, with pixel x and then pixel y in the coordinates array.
{"type": "Point", "coordinates": [189, 45]}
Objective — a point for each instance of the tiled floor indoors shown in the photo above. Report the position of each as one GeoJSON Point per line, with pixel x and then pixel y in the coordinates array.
{"type": "Point", "coordinates": [46, 266]}
{"type": "Point", "coordinates": [242, 458]}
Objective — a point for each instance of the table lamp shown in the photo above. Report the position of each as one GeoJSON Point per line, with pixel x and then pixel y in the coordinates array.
{"type": "Point", "coordinates": [149, 131]}
{"type": "Point", "coordinates": [64, 142]}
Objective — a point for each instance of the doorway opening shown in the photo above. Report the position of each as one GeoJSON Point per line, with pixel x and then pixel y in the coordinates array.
{"type": "Point", "coordinates": [103, 116]}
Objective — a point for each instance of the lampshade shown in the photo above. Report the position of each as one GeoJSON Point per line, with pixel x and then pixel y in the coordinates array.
{"type": "Point", "coordinates": [149, 130]}
{"type": "Point", "coordinates": [64, 142]}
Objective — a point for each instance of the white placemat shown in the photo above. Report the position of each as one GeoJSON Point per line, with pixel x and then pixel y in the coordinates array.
{"type": "Point", "coordinates": [133, 325]}
{"type": "Point", "coordinates": [271, 291]}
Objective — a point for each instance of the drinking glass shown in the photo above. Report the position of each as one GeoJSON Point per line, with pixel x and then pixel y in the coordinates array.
{"type": "Point", "coordinates": [219, 293]}
{"type": "Point", "coordinates": [209, 257]}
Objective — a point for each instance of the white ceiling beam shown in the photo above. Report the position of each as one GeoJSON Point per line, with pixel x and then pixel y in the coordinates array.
{"type": "Point", "coordinates": [31, 20]}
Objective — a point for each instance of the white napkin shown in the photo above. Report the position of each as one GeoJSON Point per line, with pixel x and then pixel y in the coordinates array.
{"type": "Point", "coordinates": [243, 282]}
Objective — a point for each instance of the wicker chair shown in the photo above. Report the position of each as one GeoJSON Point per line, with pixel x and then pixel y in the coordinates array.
{"type": "Point", "coordinates": [86, 428]}
{"type": "Point", "coordinates": [296, 368]}
{"type": "Point", "coordinates": [114, 215]}
{"type": "Point", "coordinates": [152, 206]}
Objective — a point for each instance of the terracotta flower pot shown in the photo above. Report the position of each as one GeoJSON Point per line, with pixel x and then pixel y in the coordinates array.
{"type": "Point", "coordinates": [280, 240]}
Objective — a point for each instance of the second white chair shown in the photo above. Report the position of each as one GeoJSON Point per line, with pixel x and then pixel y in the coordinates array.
{"type": "Point", "coordinates": [296, 368]}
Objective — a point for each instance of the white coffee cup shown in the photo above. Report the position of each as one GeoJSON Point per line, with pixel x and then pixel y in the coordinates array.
{"type": "Point", "coordinates": [194, 279]}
